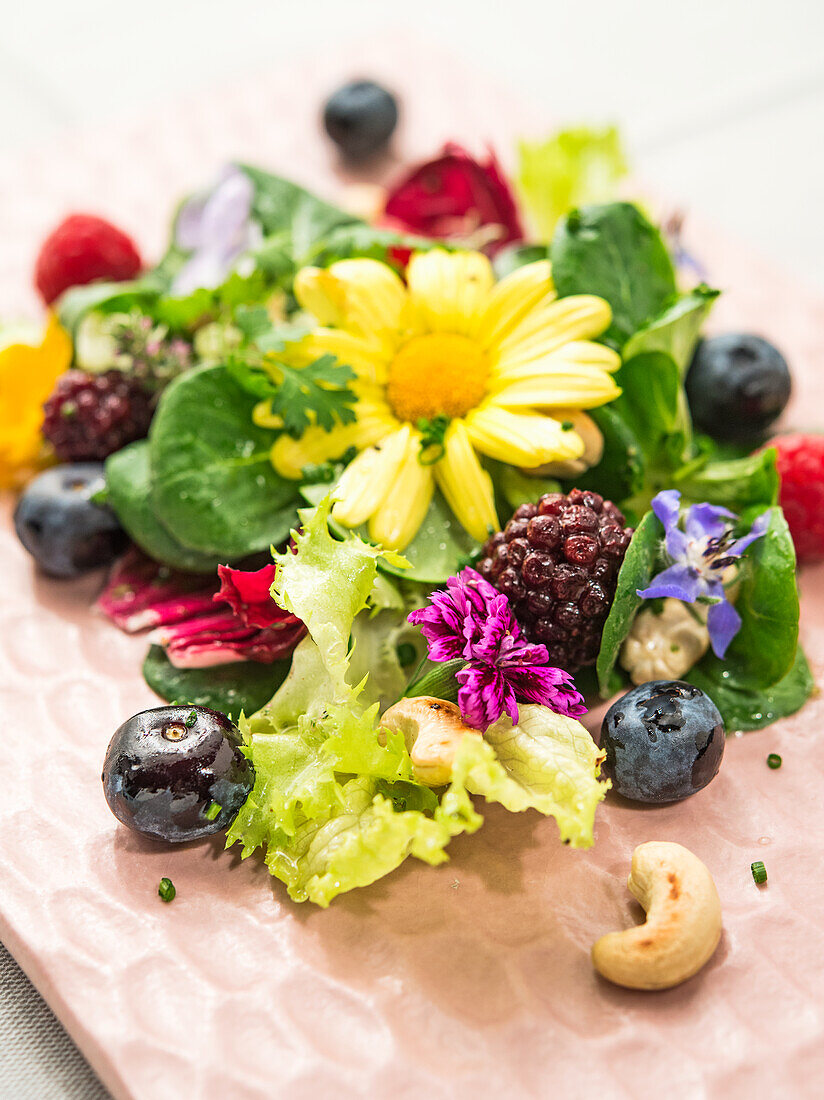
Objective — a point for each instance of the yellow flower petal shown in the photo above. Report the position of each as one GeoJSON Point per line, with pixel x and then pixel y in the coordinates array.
{"type": "Point", "coordinates": [365, 297]}
{"type": "Point", "coordinates": [289, 456]}
{"type": "Point", "coordinates": [557, 388]}
{"type": "Point", "coordinates": [512, 299]}
{"type": "Point", "coordinates": [368, 478]}
{"type": "Point", "coordinates": [466, 486]}
{"type": "Point", "coordinates": [520, 439]}
{"type": "Point", "coordinates": [548, 327]}
{"type": "Point", "coordinates": [354, 351]}
{"type": "Point", "coordinates": [397, 519]}
{"type": "Point", "coordinates": [449, 290]}
{"type": "Point", "coordinates": [582, 355]}
{"type": "Point", "coordinates": [27, 377]}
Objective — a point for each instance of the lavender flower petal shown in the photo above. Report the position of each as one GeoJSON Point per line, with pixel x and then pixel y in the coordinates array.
{"type": "Point", "coordinates": [666, 506]}
{"type": "Point", "coordinates": [723, 623]}
{"type": "Point", "coordinates": [679, 581]}
{"type": "Point", "coordinates": [704, 520]}
{"type": "Point", "coordinates": [757, 531]}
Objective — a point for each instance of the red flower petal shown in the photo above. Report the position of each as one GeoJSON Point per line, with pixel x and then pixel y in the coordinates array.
{"type": "Point", "coordinates": [453, 196]}
{"type": "Point", "coordinates": [247, 593]}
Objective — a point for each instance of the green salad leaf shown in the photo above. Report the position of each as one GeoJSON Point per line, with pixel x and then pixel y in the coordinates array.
{"type": "Point", "coordinates": [621, 473]}
{"type": "Point", "coordinates": [743, 708]}
{"type": "Point", "coordinates": [675, 330]}
{"type": "Point", "coordinates": [213, 485]}
{"type": "Point", "coordinates": [613, 251]}
{"type": "Point", "coordinates": [636, 573]}
{"type": "Point", "coordinates": [546, 762]}
{"type": "Point", "coordinates": [335, 803]}
{"type": "Point", "coordinates": [238, 688]}
{"type": "Point", "coordinates": [129, 485]}
{"type": "Point", "coordinates": [569, 168]}
{"type": "Point", "coordinates": [747, 486]}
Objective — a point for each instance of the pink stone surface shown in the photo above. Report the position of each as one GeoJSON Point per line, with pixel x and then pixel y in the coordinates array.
{"type": "Point", "coordinates": [464, 981]}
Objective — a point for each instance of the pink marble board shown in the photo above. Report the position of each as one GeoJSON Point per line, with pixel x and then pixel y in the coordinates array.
{"type": "Point", "coordinates": [470, 980]}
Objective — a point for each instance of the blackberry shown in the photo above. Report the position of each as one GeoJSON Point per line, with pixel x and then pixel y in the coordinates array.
{"type": "Point", "coordinates": [90, 416]}
{"type": "Point", "coordinates": [558, 563]}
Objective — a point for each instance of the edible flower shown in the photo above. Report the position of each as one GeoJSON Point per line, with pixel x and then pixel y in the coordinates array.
{"type": "Point", "coordinates": [456, 196]}
{"type": "Point", "coordinates": [216, 228]}
{"type": "Point", "coordinates": [700, 554]}
{"type": "Point", "coordinates": [448, 366]}
{"type": "Point", "coordinates": [27, 376]}
{"type": "Point", "coordinates": [472, 620]}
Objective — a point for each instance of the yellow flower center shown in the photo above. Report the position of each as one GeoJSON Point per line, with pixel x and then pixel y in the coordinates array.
{"type": "Point", "coordinates": [438, 374]}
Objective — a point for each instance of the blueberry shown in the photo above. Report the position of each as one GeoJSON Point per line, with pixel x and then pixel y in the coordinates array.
{"type": "Point", "coordinates": [360, 118]}
{"type": "Point", "coordinates": [664, 741]}
{"type": "Point", "coordinates": [737, 386]}
{"type": "Point", "coordinates": [59, 524]}
{"type": "Point", "coordinates": [177, 773]}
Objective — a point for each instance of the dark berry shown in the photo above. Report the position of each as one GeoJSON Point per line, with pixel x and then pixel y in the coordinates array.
{"type": "Point", "coordinates": [545, 532]}
{"type": "Point", "coordinates": [177, 773]}
{"type": "Point", "coordinates": [737, 387]}
{"type": "Point", "coordinates": [537, 568]}
{"type": "Point", "coordinates": [90, 416]}
{"type": "Point", "coordinates": [568, 565]}
{"type": "Point", "coordinates": [663, 741]}
{"type": "Point", "coordinates": [360, 118]}
{"type": "Point", "coordinates": [60, 525]}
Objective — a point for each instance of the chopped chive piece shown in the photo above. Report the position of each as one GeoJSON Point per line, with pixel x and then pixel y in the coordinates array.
{"type": "Point", "coordinates": [774, 761]}
{"type": "Point", "coordinates": [213, 811]}
{"type": "Point", "coordinates": [191, 718]}
{"type": "Point", "coordinates": [759, 872]}
{"type": "Point", "coordinates": [166, 889]}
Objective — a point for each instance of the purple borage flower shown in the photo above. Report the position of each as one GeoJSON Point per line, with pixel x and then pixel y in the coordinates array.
{"type": "Point", "coordinates": [216, 227]}
{"type": "Point", "coordinates": [471, 620]}
{"type": "Point", "coordinates": [700, 554]}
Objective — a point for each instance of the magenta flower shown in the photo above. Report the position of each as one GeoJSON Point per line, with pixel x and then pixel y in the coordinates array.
{"type": "Point", "coordinates": [472, 621]}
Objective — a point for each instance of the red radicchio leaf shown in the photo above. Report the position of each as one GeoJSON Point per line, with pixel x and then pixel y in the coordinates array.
{"type": "Point", "coordinates": [221, 638]}
{"type": "Point", "coordinates": [453, 196]}
{"type": "Point", "coordinates": [247, 593]}
{"type": "Point", "coordinates": [140, 594]}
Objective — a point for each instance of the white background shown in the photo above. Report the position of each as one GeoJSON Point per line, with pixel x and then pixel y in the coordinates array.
{"type": "Point", "coordinates": [721, 103]}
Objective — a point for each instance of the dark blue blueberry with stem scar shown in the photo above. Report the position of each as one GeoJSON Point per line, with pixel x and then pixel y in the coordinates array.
{"type": "Point", "coordinates": [663, 741]}
{"type": "Point", "coordinates": [63, 527]}
{"type": "Point", "coordinates": [360, 118]}
{"type": "Point", "coordinates": [177, 773]}
{"type": "Point", "coordinates": [737, 387]}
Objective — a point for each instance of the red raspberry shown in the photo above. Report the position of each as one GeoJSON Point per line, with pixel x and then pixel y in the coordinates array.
{"type": "Point", "coordinates": [801, 469]}
{"type": "Point", "coordinates": [83, 248]}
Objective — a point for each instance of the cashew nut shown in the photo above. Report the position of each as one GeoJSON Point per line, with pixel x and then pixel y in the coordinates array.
{"type": "Point", "coordinates": [432, 729]}
{"type": "Point", "coordinates": [683, 924]}
{"type": "Point", "coordinates": [665, 646]}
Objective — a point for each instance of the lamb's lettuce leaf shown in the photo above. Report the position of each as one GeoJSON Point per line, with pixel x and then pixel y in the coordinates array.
{"type": "Point", "coordinates": [613, 251]}
{"type": "Point", "coordinates": [676, 329]}
{"type": "Point", "coordinates": [745, 709]}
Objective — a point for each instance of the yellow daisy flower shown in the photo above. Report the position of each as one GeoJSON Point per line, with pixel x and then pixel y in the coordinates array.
{"type": "Point", "coordinates": [27, 377]}
{"type": "Point", "coordinates": [508, 364]}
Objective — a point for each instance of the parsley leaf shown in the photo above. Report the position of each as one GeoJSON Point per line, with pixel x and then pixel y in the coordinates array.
{"type": "Point", "coordinates": [301, 396]}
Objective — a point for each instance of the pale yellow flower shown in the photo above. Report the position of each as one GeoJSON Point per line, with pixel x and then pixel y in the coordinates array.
{"type": "Point", "coordinates": [27, 377]}
{"type": "Point", "coordinates": [507, 363]}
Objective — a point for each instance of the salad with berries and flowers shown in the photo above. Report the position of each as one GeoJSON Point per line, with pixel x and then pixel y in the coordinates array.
{"type": "Point", "coordinates": [399, 498]}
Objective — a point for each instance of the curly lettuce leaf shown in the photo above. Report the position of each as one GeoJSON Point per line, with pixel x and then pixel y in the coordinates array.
{"type": "Point", "coordinates": [570, 168]}
{"type": "Point", "coordinates": [546, 762]}
{"type": "Point", "coordinates": [326, 583]}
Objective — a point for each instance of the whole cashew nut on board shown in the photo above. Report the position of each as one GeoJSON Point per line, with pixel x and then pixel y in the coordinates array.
{"type": "Point", "coordinates": [683, 924]}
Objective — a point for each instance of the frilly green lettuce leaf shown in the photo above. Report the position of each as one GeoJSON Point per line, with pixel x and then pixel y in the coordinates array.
{"type": "Point", "coordinates": [570, 168]}
{"type": "Point", "coordinates": [365, 840]}
{"type": "Point", "coordinates": [546, 762]}
{"type": "Point", "coordinates": [326, 583]}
